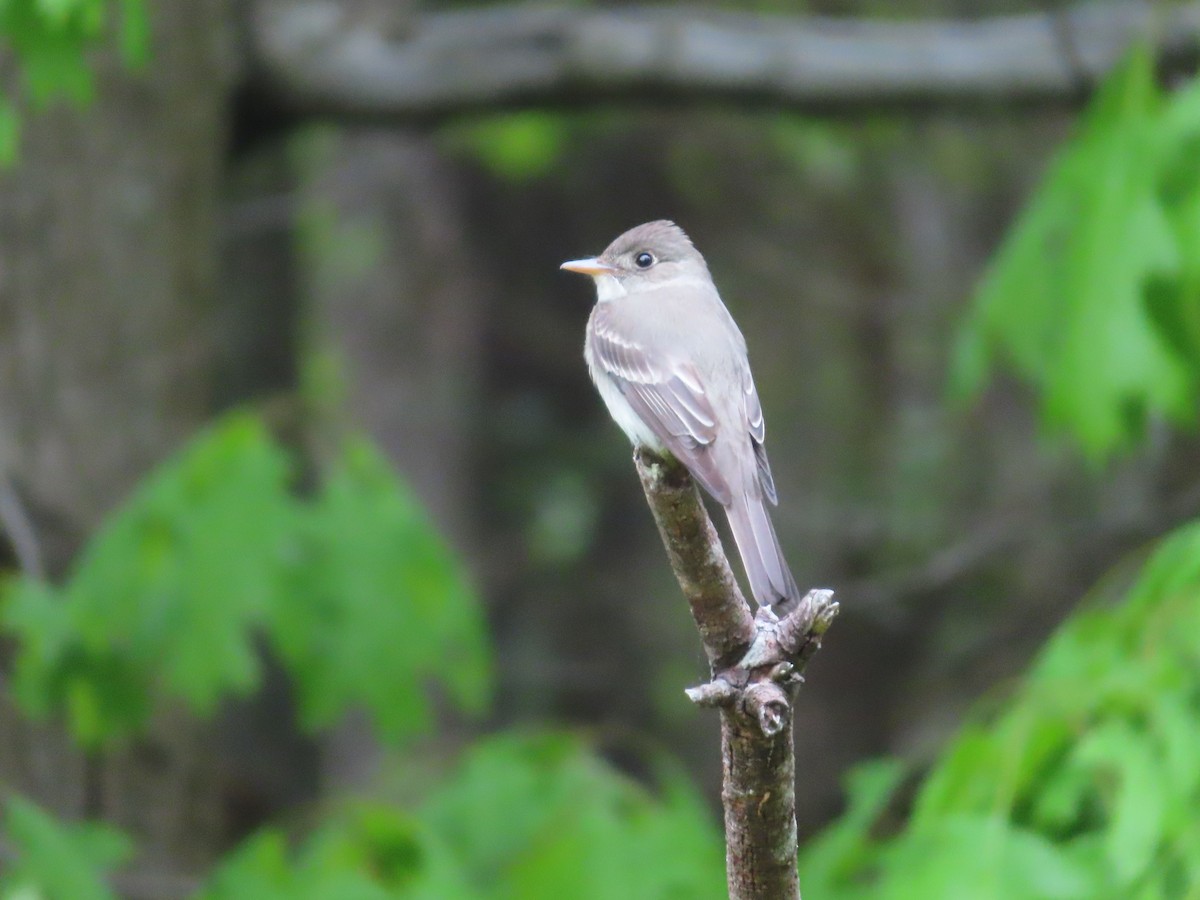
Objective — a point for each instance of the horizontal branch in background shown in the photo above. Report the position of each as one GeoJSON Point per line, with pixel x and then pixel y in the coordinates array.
{"type": "Point", "coordinates": [319, 58]}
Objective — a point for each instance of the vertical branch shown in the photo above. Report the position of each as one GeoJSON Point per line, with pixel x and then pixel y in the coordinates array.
{"type": "Point", "coordinates": [720, 611]}
{"type": "Point", "coordinates": [21, 535]}
{"type": "Point", "coordinates": [756, 662]}
{"type": "Point", "coordinates": [758, 791]}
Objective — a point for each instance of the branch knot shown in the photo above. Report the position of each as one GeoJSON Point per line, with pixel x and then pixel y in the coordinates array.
{"type": "Point", "coordinates": [762, 682]}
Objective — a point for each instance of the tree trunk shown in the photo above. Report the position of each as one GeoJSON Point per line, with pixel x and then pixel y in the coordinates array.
{"type": "Point", "coordinates": [107, 287]}
{"type": "Point", "coordinates": [392, 304]}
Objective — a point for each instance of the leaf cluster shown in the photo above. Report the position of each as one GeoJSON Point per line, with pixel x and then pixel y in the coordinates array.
{"type": "Point", "coordinates": [349, 587]}
{"type": "Point", "coordinates": [1084, 785]}
{"type": "Point", "coordinates": [524, 816]}
{"type": "Point", "coordinates": [50, 859]}
{"type": "Point", "coordinates": [1094, 297]}
{"type": "Point", "coordinates": [49, 39]}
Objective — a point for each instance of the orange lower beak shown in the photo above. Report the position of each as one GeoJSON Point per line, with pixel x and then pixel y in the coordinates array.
{"type": "Point", "coordinates": [591, 266]}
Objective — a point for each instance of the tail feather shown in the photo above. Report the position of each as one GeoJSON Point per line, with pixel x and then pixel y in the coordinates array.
{"type": "Point", "coordinates": [767, 571]}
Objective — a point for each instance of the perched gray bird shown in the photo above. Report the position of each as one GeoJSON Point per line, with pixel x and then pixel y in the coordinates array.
{"type": "Point", "coordinates": [671, 366]}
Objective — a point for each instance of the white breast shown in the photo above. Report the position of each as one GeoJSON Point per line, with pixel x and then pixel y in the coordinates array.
{"type": "Point", "coordinates": [623, 414]}
{"type": "Point", "coordinates": [608, 289]}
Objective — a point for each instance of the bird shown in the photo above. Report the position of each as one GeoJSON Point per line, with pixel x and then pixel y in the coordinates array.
{"type": "Point", "coordinates": [673, 370]}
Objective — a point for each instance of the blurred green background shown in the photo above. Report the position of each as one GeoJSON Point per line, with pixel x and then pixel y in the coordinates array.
{"type": "Point", "coordinates": [325, 574]}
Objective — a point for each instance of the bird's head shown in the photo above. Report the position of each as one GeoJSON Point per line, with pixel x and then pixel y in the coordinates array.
{"type": "Point", "coordinates": [642, 258]}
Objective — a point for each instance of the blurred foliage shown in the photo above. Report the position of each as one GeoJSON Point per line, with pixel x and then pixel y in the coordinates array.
{"type": "Point", "coordinates": [375, 607]}
{"type": "Point", "coordinates": [1094, 298]}
{"type": "Point", "coordinates": [339, 252]}
{"type": "Point", "coordinates": [817, 147]}
{"type": "Point", "coordinates": [1084, 784]}
{"type": "Point", "coordinates": [522, 816]}
{"type": "Point", "coordinates": [48, 39]}
{"type": "Point", "coordinates": [1086, 781]}
{"type": "Point", "coordinates": [563, 521]}
{"type": "Point", "coordinates": [541, 817]}
{"type": "Point", "coordinates": [52, 860]}
{"type": "Point", "coordinates": [528, 816]}
{"type": "Point", "coordinates": [515, 146]}
{"type": "Point", "coordinates": [350, 586]}
{"type": "Point", "coordinates": [371, 851]}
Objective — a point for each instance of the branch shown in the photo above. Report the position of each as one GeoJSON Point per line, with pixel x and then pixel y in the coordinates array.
{"type": "Point", "coordinates": [720, 611]}
{"type": "Point", "coordinates": [757, 664]}
{"type": "Point", "coordinates": [318, 58]}
{"type": "Point", "coordinates": [21, 534]}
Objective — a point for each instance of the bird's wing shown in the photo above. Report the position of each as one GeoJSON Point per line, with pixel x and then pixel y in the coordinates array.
{"type": "Point", "coordinates": [758, 435]}
{"type": "Point", "coordinates": [666, 393]}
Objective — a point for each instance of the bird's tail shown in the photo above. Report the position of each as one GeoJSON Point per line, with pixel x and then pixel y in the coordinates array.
{"type": "Point", "coordinates": [767, 571]}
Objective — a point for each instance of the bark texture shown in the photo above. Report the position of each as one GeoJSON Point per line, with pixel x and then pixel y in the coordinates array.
{"type": "Point", "coordinates": [758, 792]}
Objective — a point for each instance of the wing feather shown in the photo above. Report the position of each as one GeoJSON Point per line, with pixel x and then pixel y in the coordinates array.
{"type": "Point", "coordinates": [667, 395]}
{"type": "Point", "coordinates": [758, 436]}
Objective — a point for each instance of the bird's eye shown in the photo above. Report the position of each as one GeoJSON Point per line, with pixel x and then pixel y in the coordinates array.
{"type": "Point", "coordinates": [644, 260]}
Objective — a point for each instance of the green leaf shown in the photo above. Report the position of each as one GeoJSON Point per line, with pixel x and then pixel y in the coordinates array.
{"type": "Point", "coordinates": [50, 52]}
{"type": "Point", "coordinates": [187, 568]}
{"type": "Point", "coordinates": [167, 594]}
{"type": "Point", "coordinates": [955, 784]}
{"type": "Point", "coordinates": [1082, 299]}
{"type": "Point", "coordinates": [984, 857]}
{"type": "Point", "coordinates": [57, 12]}
{"type": "Point", "coordinates": [1130, 775]}
{"type": "Point", "coordinates": [54, 860]}
{"type": "Point", "coordinates": [1176, 302]}
{"type": "Point", "coordinates": [377, 607]}
{"type": "Point", "coordinates": [50, 41]}
{"type": "Point", "coordinates": [261, 870]}
{"type": "Point", "coordinates": [540, 817]}
{"type": "Point", "coordinates": [833, 860]}
{"type": "Point", "coordinates": [1083, 783]}
{"type": "Point", "coordinates": [367, 852]}
{"type": "Point", "coordinates": [37, 614]}
{"type": "Point", "coordinates": [355, 590]}
{"type": "Point", "coordinates": [1176, 725]}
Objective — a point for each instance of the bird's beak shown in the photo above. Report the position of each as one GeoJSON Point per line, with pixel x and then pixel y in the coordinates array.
{"type": "Point", "coordinates": [591, 266]}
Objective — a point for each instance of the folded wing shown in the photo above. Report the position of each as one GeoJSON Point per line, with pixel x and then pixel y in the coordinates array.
{"type": "Point", "coordinates": [758, 436]}
{"type": "Point", "coordinates": [667, 395]}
